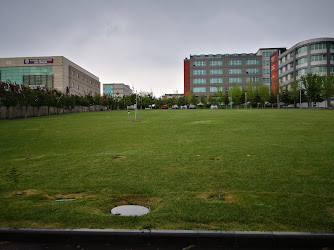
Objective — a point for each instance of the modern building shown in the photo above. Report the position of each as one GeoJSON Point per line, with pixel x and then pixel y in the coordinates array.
{"type": "Point", "coordinates": [204, 74]}
{"type": "Point", "coordinates": [116, 89]}
{"type": "Point", "coordinates": [55, 72]}
{"type": "Point", "coordinates": [169, 96]}
{"type": "Point", "coordinates": [314, 56]}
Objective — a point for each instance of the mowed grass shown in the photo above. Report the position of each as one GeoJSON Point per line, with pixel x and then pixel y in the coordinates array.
{"type": "Point", "coordinates": [274, 170]}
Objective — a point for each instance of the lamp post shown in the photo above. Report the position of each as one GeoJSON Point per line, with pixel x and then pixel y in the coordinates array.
{"type": "Point", "coordinates": [246, 99]}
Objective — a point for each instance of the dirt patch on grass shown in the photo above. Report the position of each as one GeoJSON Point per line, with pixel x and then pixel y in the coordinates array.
{"type": "Point", "coordinates": [35, 192]}
{"type": "Point", "coordinates": [214, 195]}
{"type": "Point", "coordinates": [118, 157]}
{"type": "Point", "coordinates": [136, 200]}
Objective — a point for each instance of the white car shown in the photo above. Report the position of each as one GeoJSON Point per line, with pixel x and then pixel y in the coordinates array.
{"type": "Point", "coordinates": [213, 107]}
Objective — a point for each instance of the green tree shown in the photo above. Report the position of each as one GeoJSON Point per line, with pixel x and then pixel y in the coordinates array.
{"type": "Point", "coordinates": [264, 94]}
{"type": "Point", "coordinates": [328, 86]}
{"type": "Point", "coordinates": [250, 93]}
{"type": "Point", "coordinates": [220, 95]}
{"type": "Point", "coordinates": [235, 94]}
{"type": "Point", "coordinates": [294, 91]}
{"type": "Point", "coordinates": [313, 87]}
{"type": "Point", "coordinates": [189, 97]}
{"type": "Point", "coordinates": [226, 99]}
{"type": "Point", "coordinates": [181, 101]}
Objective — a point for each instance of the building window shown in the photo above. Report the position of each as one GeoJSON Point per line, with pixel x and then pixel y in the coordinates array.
{"type": "Point", "coordinates": [234, 71]}
{"type": "Point", "coordinates": [235, 80]}
{"type": "Point", "coordinates": [252, 61]}
{"type": "Point", "coordinates": [216, 80]}
{"type": "Point", "coordinates": [216, 63]}
{"type": "Point", "coordinates": [199, 81]}
{"type": "Point", "coordinates": [78, 76]}
{"type": "Point", "coordinates": [78, 87]}
{"type": "Point", "coordinates": [81, 77]}
{"type": "Point", "coordinates": [198, 72]}
{"type": "Point", "coordinates": [90, 82]}
{"type": "Point", "coordinates": [87, 80]}
{"type": "Point", "coordinates": [267, 53]}
{"type": "Point", "coordinates": [332, 45]}
{"type": "Point", "coordinates": [332, 70]}
{"type": "Point", "coordinates": [315, 70]}
{"type": "Point", "coordinates": [302, 50]}
{"type": "Point", "coordinates": [253, 71]}
{"type": "Point", "coordinates": [199, 90]}
{"type": "Point", "coordinates": [216, 71]}
{"type": "Point", "coordinates": [318, 46]}
{"type": "Point", "coordinates": [72, 84]}
{"type": "Point", "coordinates": [302, 72]}
{"type": "Point", "coordinates": [318, 58]}
{"type": "Point", "coordinates": [332, 57]}
{"type": "Point", "coordinates": [215, 89]}
{"type": "Point", "coordinates": [266, 71]}
{"type": "Point", "coordinates": [266, 80]}
{"type": "Point", "coordinates": [252, 79]}
{"type": "Point", "coordinates": [199, 63]}
{"type": "Point", "coordinates": [234, 62]}
{"type": "Point", "coordinates": [72, 73]}
{"type": "Point", "coordinates": [302, 61]}
{"type": "Point", "coordinates": [265, 63]}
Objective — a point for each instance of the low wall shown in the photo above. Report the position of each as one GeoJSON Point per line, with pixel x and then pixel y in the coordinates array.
{"type": "Point", "coordinates": [24, 112]}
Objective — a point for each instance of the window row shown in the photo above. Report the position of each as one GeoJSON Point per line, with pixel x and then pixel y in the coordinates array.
{"type": "Point", "coordinates": [234, 62]}
{"type": "Point", "coordinates": [266, 80]}
{"type": "Point", "coordinates": [234, 71]}
{"type": "Point", "coordinates": [266, 71]}
{"type": "Point", "coordinates": [203, 89]}
{"type": "Point", "coordinates": [199, 63]}
{"type": "Point", "coordinates": [315, 70]}
{"type": "Point", "coordinates": [216, 63]}
{"type": "Point", "coordinates": [87, 91]}
{"type": "Point", "coordinates": [318, 58]}
{"type": "Point", "coordinates": [318, 46]}
{"type": "Point", "coordinates": [252, 79]}
{"type": "Point", "coordinates": [216, 71]}
{"type": "Point", "coordinates": [267, 53]}
{"type": "Point", "coordinates": [252, 62]}
{"type": "Point", "coordinates": [203, 63]}
{"type": "Point", "coordinates": [252, 71]}
{"type": "Point", "coordinates": [78, 76]}
{"type": "Point", "coordinates": [301, 61]}
{"type": "Point", "coordinates": [265, 62]}
{"type": "Point", "coordinates": [203, 80]}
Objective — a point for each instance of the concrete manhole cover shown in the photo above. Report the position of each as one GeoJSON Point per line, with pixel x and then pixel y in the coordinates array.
{"type": "Point", "coordinates": [129, 210]}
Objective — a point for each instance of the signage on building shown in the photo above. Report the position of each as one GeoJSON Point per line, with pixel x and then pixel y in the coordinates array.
{"type": "Point", "coordinates": [273, 72]}
{"type": "Point", "coordinates": [38, 61]}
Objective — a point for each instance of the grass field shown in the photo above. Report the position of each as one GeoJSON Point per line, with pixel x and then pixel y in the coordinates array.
{"type": "Point", "coordinates": [275, 170]}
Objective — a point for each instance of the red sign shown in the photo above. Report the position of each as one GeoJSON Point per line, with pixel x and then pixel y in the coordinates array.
{"type": "Point", "coordinates": [273, 73]}
{"type": "Point", "coordinates": [38, 61]}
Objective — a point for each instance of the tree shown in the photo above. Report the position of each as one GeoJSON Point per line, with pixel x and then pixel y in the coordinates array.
{"type": "Point", "coordinates": [250, 93]}
{"type": "Point", "coordinates": [235, 93]}
{"type": "Point", "coordinates": [181, 101]}
{"type": "Point", "coordinates": [226, 98]}
{"type": "Point", "coordinates": [264, 94]}
{"type": "Point", "coordinates": [328, 86]}
{"type": "Point", "coordinates": [220, 95]}
{"type": "Point", "coordinates": [294, 91]}
{"type": "Point", "coordinates": [194, 100]}
{"type": "Point", "coordinates": [9, 96]}
{"type": "Point", "coordinates": [189, 97]}
{"type": "Point", "coordinates": [313, 87]}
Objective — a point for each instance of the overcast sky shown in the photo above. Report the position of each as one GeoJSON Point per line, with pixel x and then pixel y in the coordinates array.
{"type": "Point", "coordinates": [142, 43]}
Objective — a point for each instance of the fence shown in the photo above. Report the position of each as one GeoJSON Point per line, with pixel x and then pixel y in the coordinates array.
{"type": "Point", "coordinates": [24, 112]}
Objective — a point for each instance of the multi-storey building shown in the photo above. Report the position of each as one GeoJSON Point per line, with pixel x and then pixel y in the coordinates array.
{"type": "Point", "coordinates": [116, 89]}
{"type": "Point", "coordinates": [55, 72]}
{"type": "Point", "coordinates": [206, 74]}
{"type": "Point", "coordinates": [314, 56]}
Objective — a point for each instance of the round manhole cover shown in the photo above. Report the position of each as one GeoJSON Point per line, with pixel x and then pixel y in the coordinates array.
{"type": "Point", "coordinates": [129, 210]}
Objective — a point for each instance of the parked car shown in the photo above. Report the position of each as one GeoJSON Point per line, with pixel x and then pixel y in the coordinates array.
{"type": "Point", "coordinates": [184, 107]}
{"type": "Point", "coordinates": [164, 107]}
{"type": "Point", "coordinates": [191, 106]}
{"type": "Point", "coordinates": [213, 107]}
{"type": "Point", "coordinates": [175, 107]}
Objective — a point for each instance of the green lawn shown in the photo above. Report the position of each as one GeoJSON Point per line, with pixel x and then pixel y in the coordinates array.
{"type": "Point", "coordinates": [275, 169]}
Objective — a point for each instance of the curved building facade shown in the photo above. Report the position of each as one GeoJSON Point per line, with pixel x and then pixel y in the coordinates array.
{"type": "Point", "coordinates": [315, 56]}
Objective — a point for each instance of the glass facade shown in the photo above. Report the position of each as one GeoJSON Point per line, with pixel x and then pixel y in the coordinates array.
{"type": "Point", "coordinates": [266, 71]}
{"type": "Point", "coordinates": [265, 62]}
{"type": "Point", "coordinates": [302, 61]}
{"type": "Point", "coordinates": [302, 50]}
{"type": "Point", "coordinates": [34, 75]}
{"type": "Point", "coordinates": [315, 70]}
{"type": "Point", "coordinates": [267, 53]}
{"type": "Point", "coordinates": [108, 89]}
{"type": "Point", "coordinates": [266, 80]}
